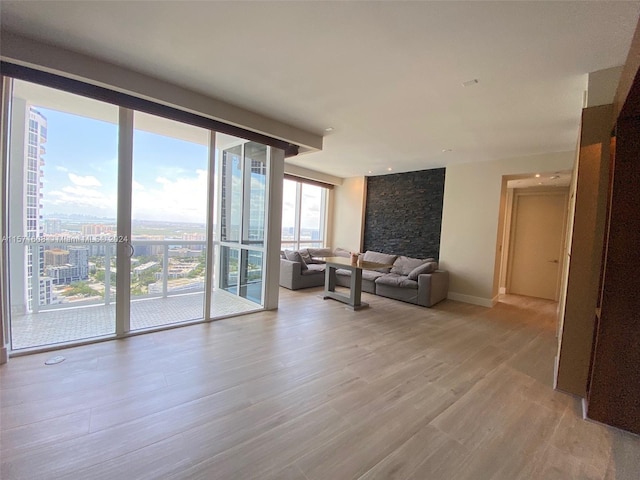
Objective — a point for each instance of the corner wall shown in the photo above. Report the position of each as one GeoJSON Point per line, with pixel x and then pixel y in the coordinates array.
{"type": "Point", "coordinates": [472, 193]}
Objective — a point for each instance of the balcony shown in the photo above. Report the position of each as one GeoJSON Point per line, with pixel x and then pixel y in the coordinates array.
{"type": "Point", "coordinates": [167, 287]}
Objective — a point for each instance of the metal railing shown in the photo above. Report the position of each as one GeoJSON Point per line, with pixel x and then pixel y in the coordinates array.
{"type": "Point", "coordinates": [109, 254]}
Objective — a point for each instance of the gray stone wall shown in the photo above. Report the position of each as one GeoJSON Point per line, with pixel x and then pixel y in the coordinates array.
{"type": "Point", "coordinates": [404, 213]}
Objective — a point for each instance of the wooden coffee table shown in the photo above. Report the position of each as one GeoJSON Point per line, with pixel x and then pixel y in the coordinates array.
{"type": "Point", "coordinates": [353, 299]}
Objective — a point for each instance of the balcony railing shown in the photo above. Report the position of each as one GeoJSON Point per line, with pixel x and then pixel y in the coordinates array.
{"type": "Point", "coordinates": [161, 250]}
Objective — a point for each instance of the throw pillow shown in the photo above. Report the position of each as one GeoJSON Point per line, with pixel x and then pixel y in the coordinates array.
{"type": "Point", "coordinates": [405, 265]}
{"type": "Point", "coordinates": [428, 267]}
{"type": "Point", "coordinates": [317, 254]}
{"type": "Point", "coordinates": [378, 257]}
{"type": "Point", "coordinates": [295, 257]}
{"type": "Point", "coordinates": [304, 253]}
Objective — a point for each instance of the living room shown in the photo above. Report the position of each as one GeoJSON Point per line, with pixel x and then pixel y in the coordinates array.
{"type": "Point", "coordinates": [304, 388]}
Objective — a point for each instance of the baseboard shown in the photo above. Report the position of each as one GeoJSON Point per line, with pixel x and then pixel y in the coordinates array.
{"type": "Point", "coordinates": [483, 302]}
{"type": "Point", "coordinates": [4, 355]}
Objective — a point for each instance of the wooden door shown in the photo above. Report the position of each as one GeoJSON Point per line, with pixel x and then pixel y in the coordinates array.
{"type": "Point", "coordinates": [536, 243]}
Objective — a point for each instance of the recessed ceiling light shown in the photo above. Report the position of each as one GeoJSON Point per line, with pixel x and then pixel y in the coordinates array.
{"type": "Point", "coordinates": [369, 171]}
{"type": "Point", "coordinates": [470, 83]}
{"type": "Point", "coordinates": [539, 183]}
{"type": "Point", "coordinates": [446, 150]}
{"type": "Point", "coordinates": [328, 129]}
{"type": "Point", "coordinates": [389, 168]}
{"type": "Point", "coordinates": [537, 175]}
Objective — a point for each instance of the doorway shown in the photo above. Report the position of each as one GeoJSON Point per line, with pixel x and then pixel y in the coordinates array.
{"type": "Point", "coordinates": [537, 229]}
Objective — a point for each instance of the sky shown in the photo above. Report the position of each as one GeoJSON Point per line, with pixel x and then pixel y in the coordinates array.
{"type": "Point", "coordinates": [169, 175]}
{"type": "Point", "coordinates": [80, 172]}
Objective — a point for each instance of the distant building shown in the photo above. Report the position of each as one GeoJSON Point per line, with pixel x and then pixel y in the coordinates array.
{"type": "Point", "coordinates": [79, 257]}
{"type": "Point", "coordinates": [47, 297]}
{"type": "Point", "coordinates": [96, 229]}
{"type": "Point", "coordinates": [64, 274]}
{"type": "Point", "coordinates": [145, 266]}
{"type": "Point", "coordinates": [55, 257]}
{"type": "Point", "coordinates": [52, 226]}
{"type": "Point", "coordinates": [74, 269]}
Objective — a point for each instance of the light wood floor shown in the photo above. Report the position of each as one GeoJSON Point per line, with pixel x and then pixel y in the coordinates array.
{"type": "Point", "coordinates": [312, 391]}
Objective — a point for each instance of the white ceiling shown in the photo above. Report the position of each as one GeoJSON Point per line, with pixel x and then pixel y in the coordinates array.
{"type": "Point", "coordinates": [539, 180]}
{"type": "Point", "coordinates": [387, 76]}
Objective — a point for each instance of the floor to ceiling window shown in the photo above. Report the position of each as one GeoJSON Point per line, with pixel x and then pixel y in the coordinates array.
{"type": "Point", "coordinates": [243, 184]}
{"type": "Point", "coordinates": [303, 215]}
{"type": "Point", "coordinates": [62, 216]}
{"type": "Point", "coordinates": [168, 220]}
{"type": "Point", "coordinates": [195, 216]}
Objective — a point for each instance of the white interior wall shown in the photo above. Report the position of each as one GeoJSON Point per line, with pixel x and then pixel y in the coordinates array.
{"type": "Point", "coordinates": [348, 214]}
{"type": "Point", "coordinates": [470, 216]}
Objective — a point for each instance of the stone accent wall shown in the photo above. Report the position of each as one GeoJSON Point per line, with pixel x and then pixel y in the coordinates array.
{"type": "Point", "coordinates": [404, 213]}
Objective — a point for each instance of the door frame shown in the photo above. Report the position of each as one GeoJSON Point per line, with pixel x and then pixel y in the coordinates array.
{"type": "Point", "coordinates": [513, 220]}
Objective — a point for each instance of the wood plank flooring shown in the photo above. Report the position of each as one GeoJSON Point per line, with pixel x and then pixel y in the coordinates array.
{"type": "Point", "coordinates": [312, 391]}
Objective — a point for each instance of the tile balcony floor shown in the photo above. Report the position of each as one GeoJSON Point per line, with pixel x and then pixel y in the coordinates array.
{"type": "Point", "coordinates": [82, 322]}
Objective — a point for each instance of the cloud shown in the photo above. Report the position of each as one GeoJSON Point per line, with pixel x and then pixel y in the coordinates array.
{"type": "Point", "coordinates": [78, 198]}
{"type": "Point", "coordinates": [61, 169]}
{"type": "Point", "coordinates": [86, 181]}
{"type": "Point", "coordinates": [182, 199]}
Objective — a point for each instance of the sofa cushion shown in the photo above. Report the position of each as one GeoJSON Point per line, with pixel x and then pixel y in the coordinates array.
{"type": "Point", "coordinates": [341, 252]}
{"type": "Point", "coordinates": [395, 280]}
{"type": "Point", "coordinates": [319, 252]}
{"type": "Point", "coordinates": [296, 257]}
{"type": "Point", "coordinates": [314, 269]}
{"type": "Point", "coordinates": [404, 265]}
{"type": "Point", "coordinates": [378, 257]}
{"type": "Point", "coordinates": [304, 253]}
{"type": "Point", "coordinates": [428, 267]}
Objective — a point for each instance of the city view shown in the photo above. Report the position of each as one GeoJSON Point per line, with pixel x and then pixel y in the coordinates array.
{"type": "Point", "coordinates": [80, 253]}
{"type": "Point", "coordinates": [64, 182]}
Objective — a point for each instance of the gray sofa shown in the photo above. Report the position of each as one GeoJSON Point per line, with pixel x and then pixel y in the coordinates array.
{"type": "Point", "coordinates": [304, 268]}
{"type": "Point", "coordinates": [411, 280]}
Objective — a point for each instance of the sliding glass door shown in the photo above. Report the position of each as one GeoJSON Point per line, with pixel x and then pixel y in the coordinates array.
{"type": "Point", "coordinates": [62, 218]}
{"type": "Point", "coordinates": [122, 221]}
{"type": "Point", "coordinates": [168, 221]}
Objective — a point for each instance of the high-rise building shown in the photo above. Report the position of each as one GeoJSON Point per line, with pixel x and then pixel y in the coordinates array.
{"type": "Point", "coordinates": [28, 138]}
{"type": "Point", "coordinates": [79, 257]}
{"type": "Point", "coordinates": [96, 229]}
{"type": "Point", "coordinates": [55, 257]}
{"type": "Point", "coordinates": [52, 226]}
{"type": "Point", "coordinates": [36, 138]}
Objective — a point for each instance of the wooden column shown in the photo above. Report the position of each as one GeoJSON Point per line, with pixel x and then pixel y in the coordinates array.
{"type": "Point", "coordinates": [614, 391]}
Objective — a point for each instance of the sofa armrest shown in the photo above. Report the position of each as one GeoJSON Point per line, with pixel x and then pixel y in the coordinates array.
{"type": "Point", "coordinates": [432, 287]}
{"type": "Point", "coordinates": [289, 273]}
